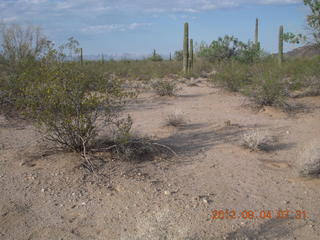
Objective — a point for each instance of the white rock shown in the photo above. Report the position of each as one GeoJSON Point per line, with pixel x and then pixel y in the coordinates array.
{"type": "Point", "coordinates": [167, 193]}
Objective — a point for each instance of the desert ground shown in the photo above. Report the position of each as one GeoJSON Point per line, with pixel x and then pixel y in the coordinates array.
{"type": "Point", "coordinates": [47, 194]}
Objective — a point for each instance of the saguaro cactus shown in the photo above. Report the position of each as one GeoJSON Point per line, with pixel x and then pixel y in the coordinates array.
{"type": "Point", "coordinates": [191, 55]}
{"type": "Point", "coordinates": [170, 58]}
{"type": "Point", "coordinates": [154, 53]}
{"type": "Point", "coordinates": [186, 48]}
{"type": "Point", "coordinates": [81, 56]}
{"type": "Point", "coordinates": [256, 41]}
{"type": "Point", "coordinates": [280, 52]}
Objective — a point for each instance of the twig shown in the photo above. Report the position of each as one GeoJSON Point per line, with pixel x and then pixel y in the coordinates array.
{"type": "Point", "coordinates": [84, 155]}
{"type": "Point", "coordinates": [166, 147]}
{"type": "Point", "coordinates": [103, 149]}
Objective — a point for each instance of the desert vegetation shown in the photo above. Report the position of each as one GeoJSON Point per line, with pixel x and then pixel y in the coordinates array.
{"type": "Point", "coordinates": [68, 97]}
{"type": "Point", "coordinates": [182, 150]}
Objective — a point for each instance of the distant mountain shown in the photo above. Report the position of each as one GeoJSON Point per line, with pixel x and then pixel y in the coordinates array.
{"type": "Point", "coordinates": [305, 51]}
{"type": "Point", "coordinates": [114, 56]}
{"type": "Point", "coordinates": [127, 56]}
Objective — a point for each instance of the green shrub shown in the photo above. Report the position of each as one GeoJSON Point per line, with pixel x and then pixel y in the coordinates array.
{"type": "Point", "coordinates": [178, 55]}
{"type": "Point", "coordinates": [155, 57]}
{"type": "Point", "coordinates": [62, 103]}
{"type": "Point", "coordinates": [228, 48]}
{"type": "Point", "coordinates": [303, 73]}
{"type": "Point", "coordinates": [232, 75]}
{"type": "Point", "coordinates": [268, 87]}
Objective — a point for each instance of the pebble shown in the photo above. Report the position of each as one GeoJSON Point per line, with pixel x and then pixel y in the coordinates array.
{"type": "Point", "coordinates": [167, 193]}
{"type": "Point", "coordinates": [43, 190]}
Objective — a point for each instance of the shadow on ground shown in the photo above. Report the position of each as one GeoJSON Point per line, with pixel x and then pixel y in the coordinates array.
{"type": "Point", "coordinates": [272, 229]}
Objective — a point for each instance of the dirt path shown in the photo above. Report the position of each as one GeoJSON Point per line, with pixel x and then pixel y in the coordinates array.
{"type": "Point", "coordinates": [47, 195]}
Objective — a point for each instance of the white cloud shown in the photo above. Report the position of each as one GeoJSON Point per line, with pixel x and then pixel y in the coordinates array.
{"type": "Point", "coordinates": [114, 27]}
{"type": "Point", "coordinates": [9, 19]}
{"type": "Point", "coordinates": [64, 5]}
{"type": "Point", "coordinates": [45, 11]}
{"type": "Point", "coordinates": [148, 6]}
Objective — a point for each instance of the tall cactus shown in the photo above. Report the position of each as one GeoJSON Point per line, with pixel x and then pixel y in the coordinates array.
{"type": "Point", "coordinates": [154, 53]}
{"type": "Point", "coordinates": [191, 55]}
{"type": "Point", "coordinates": [186, 48]}
{"type": "Point", "coordinates": [256, 41]}
{"type": "Point", "coordinates": [81, 56]}
{"type": "Point", "coordinates": [280, 51]}
{"type": "Point", "coordinates": [170, 58]}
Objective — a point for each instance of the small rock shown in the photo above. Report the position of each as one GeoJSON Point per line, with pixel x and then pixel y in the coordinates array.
{"type": "Point", "coordinates": [167, 193]}
{"type": "Point", "coordinates": [83, 203]}
{"type": "Point", "coordinates": [43, 190]}
{"type": "Point", "coordinates": [205, 200]}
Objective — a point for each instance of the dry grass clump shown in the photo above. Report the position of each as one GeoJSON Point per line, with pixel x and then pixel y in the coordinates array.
{"type": "Point", "coordinates": [164, 87]}
{"type": "Point", "coordinates": [175, 119]}
{"type": "Point", "coordinates": [257, 140]}
{"type": "Point", "coordinates": [309, 160]}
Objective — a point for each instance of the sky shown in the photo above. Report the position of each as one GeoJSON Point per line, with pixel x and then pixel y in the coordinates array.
{"type": "Point", "coordinates": [117, 27]}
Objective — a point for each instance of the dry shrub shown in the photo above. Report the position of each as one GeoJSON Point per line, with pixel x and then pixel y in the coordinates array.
{"type": "Point", "coordinates": [257, 140]}
{"type": "Point", "coordinates": [309, 160]}
{"type": "Point", "coordinates": [164, 87]}
{"type": "Point", "coordinates": [175, 119]}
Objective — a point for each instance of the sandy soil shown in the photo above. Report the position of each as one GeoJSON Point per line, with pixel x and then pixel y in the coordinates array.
{"type": "Point", "coordinates": [46, 194]}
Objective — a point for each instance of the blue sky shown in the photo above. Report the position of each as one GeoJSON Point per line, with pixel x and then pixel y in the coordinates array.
{"type": "Point", "coordinates": [139, 26]}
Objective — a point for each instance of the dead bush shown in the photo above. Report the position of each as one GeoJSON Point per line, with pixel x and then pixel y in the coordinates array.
{"type": "Point", "coordinates": [164, 87]}
{"type": "Point", "coordinates": [175, 119]}
{"type": "Point", "coordinates": [309, 160]}
{"type": "Point", "coordinates": [257, 140]}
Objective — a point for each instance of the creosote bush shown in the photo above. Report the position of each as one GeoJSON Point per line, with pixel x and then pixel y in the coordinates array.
{"type": "Point", "coordinates": [268, 88]}
{"type": "Point", "coordinates": [62, 103]}
{"type": "Point", "coordinates": [232, 75]}
{"type": "Point", "coordinates": [164, 87]}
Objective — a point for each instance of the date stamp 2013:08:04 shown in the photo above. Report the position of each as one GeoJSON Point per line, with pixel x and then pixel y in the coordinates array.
{"type": "Point", "coordinates": [230, 214]}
